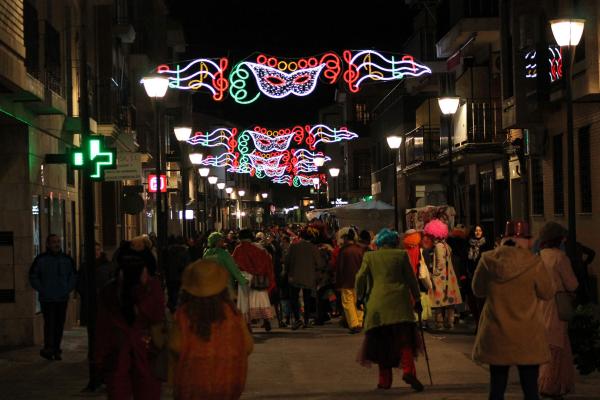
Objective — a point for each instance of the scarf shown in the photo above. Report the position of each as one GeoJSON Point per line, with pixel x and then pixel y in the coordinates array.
{"type": "Point", "coordinates": [411, 244]}
{"type": "Point", "coordinates": [475, 248]}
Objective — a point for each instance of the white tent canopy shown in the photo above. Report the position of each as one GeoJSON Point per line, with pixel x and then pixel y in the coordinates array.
{"type": "Point", "coordinates": [370, 215]}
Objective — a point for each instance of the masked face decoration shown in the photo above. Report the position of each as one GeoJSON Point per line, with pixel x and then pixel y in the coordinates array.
{"type": "Point", "coordinates": [268, 144]}
{"type": "Point", "coordinates": [276, 84]}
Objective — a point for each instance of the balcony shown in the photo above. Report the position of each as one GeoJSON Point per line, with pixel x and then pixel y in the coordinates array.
{"type": "Point", "coordinates": [485, 30]}
{"type": "Point", "coordinates": [421, 145]}
{"type": "Point", "coordinates": [477, 130]}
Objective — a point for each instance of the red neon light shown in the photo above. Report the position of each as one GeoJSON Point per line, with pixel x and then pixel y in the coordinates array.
{"type": "Point", "coordinates": [220, 83]}
{"type": "Point", "coordinates": [351, 74]}
{"type": "Point", "coordinates": [152, 183]}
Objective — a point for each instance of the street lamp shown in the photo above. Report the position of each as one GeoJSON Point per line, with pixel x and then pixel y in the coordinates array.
{"type": "Point", "coordinates": [264, 195]}
{"type": "Point", "coordinates": [319, 161]}
{"type": "Point", "coordinates": [156, 88]}
{"type": "Point", "coordinates": [448, 106]}
{"type": "Point", "coordinates": [241, 193]}
{"type": "Point", "coordinates": [204, 172]}
{"type": "Point", "coordinates": [334, 172]}
{"type": "Point", "coordinates": [182, 133]}
{"type": "Point", "coordinates": [567, 33]}
{"type": "Point", "coordinates": [229, 190]}
{"type": "Point", "coordinates": [213, 179]}
{"type": "Point", "coordinates": [394, 142]}
{"type": "Point", "coordinates": [196, 158]}
{"type": "Point", "coordinates": [221, 185]}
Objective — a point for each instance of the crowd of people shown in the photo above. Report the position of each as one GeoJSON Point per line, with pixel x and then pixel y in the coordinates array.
{"type": "Point", "coordinates": [157, 322]}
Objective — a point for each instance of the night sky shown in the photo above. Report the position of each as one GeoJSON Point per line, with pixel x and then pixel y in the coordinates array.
{"type": "Point", "coordinates": [238, 29]}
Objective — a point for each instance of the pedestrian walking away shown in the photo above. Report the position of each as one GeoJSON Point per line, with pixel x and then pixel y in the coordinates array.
{"type": "Point", "coordinates": [391, 339]}
{"type": "Point", "coordinates": [511, 331]}
{"type": "Point", "coordinates": [209, 340]}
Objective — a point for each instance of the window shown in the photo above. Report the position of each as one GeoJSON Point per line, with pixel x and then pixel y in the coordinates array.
{"type": "Point", "coordinates": [362, 170]}
{"type": "Point", "coordinates": [558, 175]}
{"type": "Point", "coordinates": [537, 187]}
{"type": "Point", "coordinates": [361, 113]}
{"type": "Point", "coordinates": [31, 39]}
{"type": "Point", "coordinates": [585, 173]}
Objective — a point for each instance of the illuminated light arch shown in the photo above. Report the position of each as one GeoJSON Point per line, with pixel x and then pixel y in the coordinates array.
{"type": "Point", "coordinates": [222, 160]}
{"type": "Point", "coordinates": [219, 137]}
{"type": "Point", "coordinates": [323, 134]}
{"type": "Point", "coordinates": [198, 74]}
{"type": "Point", "coordinates": [372, 65]}
{"type": "Point", "coordinates": [278, 78]}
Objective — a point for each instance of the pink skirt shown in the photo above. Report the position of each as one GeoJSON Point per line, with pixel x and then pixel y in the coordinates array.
{"type": "Point", "coordinates": [557, 377]}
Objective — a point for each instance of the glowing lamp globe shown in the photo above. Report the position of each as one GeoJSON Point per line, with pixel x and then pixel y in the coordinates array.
{"type": "Point", "coordinates": [182, 133]}
{"type": "Point", "coordinates": [204, 172]}
{"type": "Point", "coordinates": [394, 141]}
{"type": "Point", "coordinates": [221, 185]}
{"type": "Point", "coordinates": [213, 179]}
{"type": "Point", "coordinates": [334, 172]}
{"type": "Point", "coordinates": [264, 195]}
{"type": "Point", "coordinates": [319, 161]}
{"type": "Point", "coordinates": [241, 193]}
{"type": "Point", "coordinates": [196, 158]}
{"type": "Point", "coordinates": [156, 86]}
{"type": "Point", "coordinates": [448, 105]}
{"type": "Point", "coordinates": [229, 190]}
{"type": "Point", "coordinates": [567, 31]}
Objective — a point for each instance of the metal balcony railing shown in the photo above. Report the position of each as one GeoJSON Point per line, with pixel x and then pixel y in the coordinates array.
{"type": "Point", "coordinates": [421, 144]}
{"type": "Point", "coordinates": [476, 122]}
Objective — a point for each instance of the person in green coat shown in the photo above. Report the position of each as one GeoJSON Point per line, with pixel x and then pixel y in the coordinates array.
{"type": "Point", "coordinates": [387, 280]}
{"type": "Point", "coordinates": [217, 252]}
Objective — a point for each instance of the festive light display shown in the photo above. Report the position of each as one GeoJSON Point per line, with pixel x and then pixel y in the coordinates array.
{"type": "Point", "coordinates": [372, 65]}
{"type": "Point", "coordinates": [554, 61]}
{"type": "Point", "coordinates": [266, 153]}
{"type": "Point", "coordinates": [277, 78]}
{"type": "Point", "coordinates": [218, 137]}
{"type": "Point", "coordinates": [198, 74]}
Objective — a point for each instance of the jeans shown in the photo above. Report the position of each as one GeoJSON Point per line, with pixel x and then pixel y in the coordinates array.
{"type": "Point", "coordinates": [528, 376]}
{"type": "Point", "coordinates": [54, 313]}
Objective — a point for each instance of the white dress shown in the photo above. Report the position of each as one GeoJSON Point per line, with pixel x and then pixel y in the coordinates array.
{"type": "Point", "coordinates": [253, 304]}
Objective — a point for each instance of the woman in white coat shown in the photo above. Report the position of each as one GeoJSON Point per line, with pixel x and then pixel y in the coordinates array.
{"type": "Point", "coordinates": [557, 377]}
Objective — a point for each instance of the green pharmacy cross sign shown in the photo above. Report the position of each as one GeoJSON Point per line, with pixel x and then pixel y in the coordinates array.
{"type": "Point", "coordinates": [99, 157]}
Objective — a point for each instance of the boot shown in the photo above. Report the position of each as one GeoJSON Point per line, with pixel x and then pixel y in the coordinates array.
{"type": "Point", "coordinates": [414, 383]}
{"type": "Point", "coordinates": [385, 378]}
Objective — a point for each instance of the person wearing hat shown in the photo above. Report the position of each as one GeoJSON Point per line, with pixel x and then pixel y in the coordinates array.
{"type": "Point", "coordinates": [445, 293]}
{"type": "Point", "coordinates": [217, 252]}
{"type": "Point", "coordinates": [557, 377]}
{"type": "Point", "coordinates": [128, 307]}
{"type": "Point", "coordinates": [209, 339]}
{"type": "Point", "coordinates": [511, 331]}
{"type": "Point", "coordinates": [391, 340]}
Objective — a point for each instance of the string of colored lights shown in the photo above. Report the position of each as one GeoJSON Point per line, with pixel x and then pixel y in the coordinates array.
{"type": "Point", "coordinates": [278, 78]}
{"type": "Point", "coordinates": [205, 74]}
{"type": "Point", "coordinates": [554, 61]}
{"type": "Point", "coordinates": [266, 153]}
{"type": "Point", "coordinates": [361, 67]}
{"type": "Point", "coordinates": [219, 137]}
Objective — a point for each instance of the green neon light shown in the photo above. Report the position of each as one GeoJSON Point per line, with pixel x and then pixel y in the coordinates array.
{"type": "Point", "coordinates": [78, 159]}
{"type": "Point", "coordinates": [237, 90]}
{"type": "Point", "coordinates": [95, 151]}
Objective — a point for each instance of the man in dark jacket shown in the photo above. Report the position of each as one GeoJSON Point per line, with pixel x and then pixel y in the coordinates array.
{"type": "Point", "coordinates": [348, 264]}
{"type": "Point", "coordinates": [54, 276]}
{"type": "Point", "coordinates": [178, 257]}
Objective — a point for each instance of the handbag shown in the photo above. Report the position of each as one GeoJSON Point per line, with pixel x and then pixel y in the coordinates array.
{"type": "Point", "coordinates": [565, 305]}
{"type": "Point", "coordinates": [260, 282]}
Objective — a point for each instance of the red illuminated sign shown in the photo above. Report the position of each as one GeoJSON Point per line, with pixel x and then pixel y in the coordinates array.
{"type": "Point", "coordinates": [152, 183]}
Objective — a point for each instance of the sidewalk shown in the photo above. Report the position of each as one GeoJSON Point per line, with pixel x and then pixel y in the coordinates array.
{"type": "Point", "coordinates": [314, 363]}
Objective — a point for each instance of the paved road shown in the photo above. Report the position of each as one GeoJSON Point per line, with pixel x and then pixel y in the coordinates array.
{"type": "Point", "coordinates": [315, 363]}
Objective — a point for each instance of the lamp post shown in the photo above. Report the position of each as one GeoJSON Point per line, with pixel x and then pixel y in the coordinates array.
{"type": "Point", "coordinates": [567, 33]}
{"type": "Point", "coordinates": [448, 106]}
{"type": "Point", "coordinates": [156, 88]}
{"type": "Point", "coordinates": [204, 172]}
{"type": "Point", "coordinates": [394, 143]}
{"type": "Point", "coordinates": [319, 161]}
{"type": "Point", "coordinates": [334, 172]}
{"type": "Point", "coordinates": [241, 194]}
{"type": "Point", "coordinates": [229, 190]}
